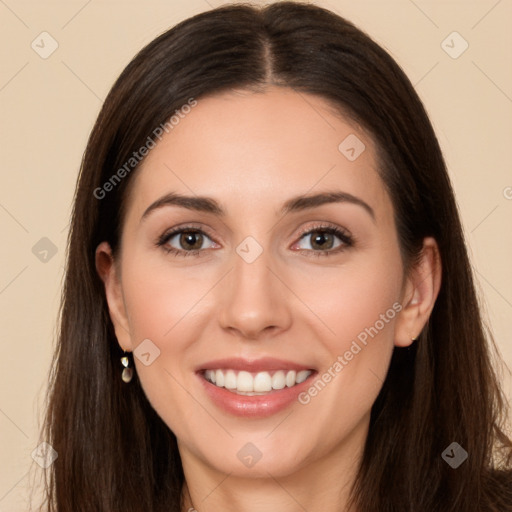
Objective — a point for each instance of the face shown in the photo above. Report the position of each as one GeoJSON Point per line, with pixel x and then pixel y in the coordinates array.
{"type": "Point", "coordinates": [257, 290]}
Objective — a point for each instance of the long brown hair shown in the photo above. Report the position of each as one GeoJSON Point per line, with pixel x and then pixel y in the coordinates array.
{"type": "Point", "coordinates": [114, 452]}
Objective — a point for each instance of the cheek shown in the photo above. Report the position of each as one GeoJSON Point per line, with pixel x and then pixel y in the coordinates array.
{"type": "Point", "coordinates": [358, 307]}
{"type": "Point", "coordinates": [158, 299]}
{"type": "Point", "coordinates": [163, 306]}
{"type": "Point", "coordinates": [351, 300]}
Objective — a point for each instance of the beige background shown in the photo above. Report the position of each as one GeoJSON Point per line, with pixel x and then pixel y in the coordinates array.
{"type": "Point", "coordinates": [48, 107]}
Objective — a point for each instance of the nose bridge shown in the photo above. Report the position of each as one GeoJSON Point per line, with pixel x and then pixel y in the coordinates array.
{"type": "Point", "coordinates": [251, 265]}
{"type": "Point", "coordinates": [253, 299]}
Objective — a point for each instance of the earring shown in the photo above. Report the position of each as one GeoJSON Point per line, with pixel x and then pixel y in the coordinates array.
{"type": "Point", "coordinates": [127, 374]}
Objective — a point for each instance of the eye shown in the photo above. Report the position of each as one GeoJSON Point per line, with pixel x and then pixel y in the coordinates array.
{"type": "Point", "coordinates": [323, 239]}
{"type": "Point", "coordinates": [190, 241]}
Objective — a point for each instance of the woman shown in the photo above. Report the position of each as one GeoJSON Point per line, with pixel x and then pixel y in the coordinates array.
{"type": "Point", "coordinates": [268, 301]}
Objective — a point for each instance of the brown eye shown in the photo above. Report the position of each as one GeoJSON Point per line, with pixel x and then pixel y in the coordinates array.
{"type": "Point", "coordinates": [323, 240]}
{"type": "Point", "coordinates": [184, 241]}
{"type": "Point", "coordinates": [192, 240]}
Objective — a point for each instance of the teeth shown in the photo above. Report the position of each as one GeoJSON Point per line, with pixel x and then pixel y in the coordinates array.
{"type": "Point", "coordinates": [290, 378]}
{"type": "Point", "coordinates": [302, 376]}
{"type": "Point", "coordinates": [219, 378]}
{"type": "Point", "coordinates": [262, 382]}
{"type": "Point", "coordinates": [230, 381]}
{"type": "Point", "coordinates": [246, 383]}
{"type": "Point", "coordinates": [278, 380]}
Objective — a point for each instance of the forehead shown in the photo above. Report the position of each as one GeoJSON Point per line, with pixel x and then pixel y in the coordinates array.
{"type": "Point", "coordinates": [253, 149]}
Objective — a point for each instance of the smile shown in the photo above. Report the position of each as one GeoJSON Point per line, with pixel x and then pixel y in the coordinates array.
{"type": "Point", "coordinates": [254, 388]}
{"type": "Point", "coordinates": [251, 383]}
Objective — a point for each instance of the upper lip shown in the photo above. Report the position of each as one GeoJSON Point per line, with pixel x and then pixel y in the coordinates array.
{"type": "Point", "coordinates": [265, 364]}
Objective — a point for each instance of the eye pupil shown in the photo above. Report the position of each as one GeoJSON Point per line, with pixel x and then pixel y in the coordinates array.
{"type": "Point", "coordinates": [188, 237]}
{"type": "Point", "coordinates": [321, 237]}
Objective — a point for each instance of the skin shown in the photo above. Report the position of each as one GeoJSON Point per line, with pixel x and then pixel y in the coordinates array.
{"type": "Point", "coordinates": [251, 152]}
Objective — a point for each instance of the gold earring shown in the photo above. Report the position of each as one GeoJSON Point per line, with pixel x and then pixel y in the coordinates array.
{"type": "Point", "coordinates": [127, 374]}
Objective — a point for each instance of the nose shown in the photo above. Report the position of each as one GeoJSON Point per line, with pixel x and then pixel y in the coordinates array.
{"type": "Point", "coordinates": [254, 299]}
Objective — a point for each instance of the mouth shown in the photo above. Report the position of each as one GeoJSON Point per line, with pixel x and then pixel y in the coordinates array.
{"type": "Point", "coordinates": [255, 384]}
{"type": "Point", "coordinates": [255, 389]}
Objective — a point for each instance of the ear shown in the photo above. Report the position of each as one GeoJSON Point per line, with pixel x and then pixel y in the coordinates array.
{"type": "Point", "coordinates": [420, 292]}
{"type": "Point", "coordinates": [108, 270]}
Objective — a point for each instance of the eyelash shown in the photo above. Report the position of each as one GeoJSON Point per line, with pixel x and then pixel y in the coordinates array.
{"type": "Point", "coordinates": [348, 240]}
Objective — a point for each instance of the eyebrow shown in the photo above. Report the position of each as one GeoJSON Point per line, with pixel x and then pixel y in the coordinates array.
{"type": "Point", "coordinates": [295, 204]}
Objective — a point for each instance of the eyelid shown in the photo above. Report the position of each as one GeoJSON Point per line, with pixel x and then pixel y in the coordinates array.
{"type": "Point", "coordinates": [192, 226]}
{"type": "Point", "coordinates": [320, 225]}
{"type": "Point", "coordinates": [171, 232]}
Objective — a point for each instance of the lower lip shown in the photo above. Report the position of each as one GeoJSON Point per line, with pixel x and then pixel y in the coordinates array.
{"type": "Point", "coordinates": [257, 406]}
